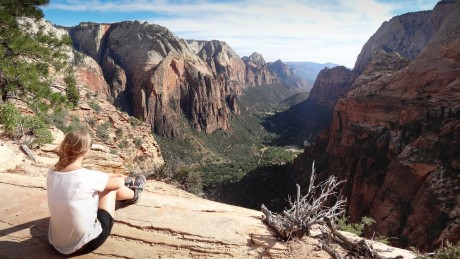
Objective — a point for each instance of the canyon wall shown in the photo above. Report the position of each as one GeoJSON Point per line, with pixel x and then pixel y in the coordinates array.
{"type": "Point", "coordinates": [395, 136]}
{"type": "Point", "coordinates": [330, 85]}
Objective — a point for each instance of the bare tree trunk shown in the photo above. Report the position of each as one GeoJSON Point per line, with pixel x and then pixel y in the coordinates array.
{"type": "Point", "coordinates": [28, 152]}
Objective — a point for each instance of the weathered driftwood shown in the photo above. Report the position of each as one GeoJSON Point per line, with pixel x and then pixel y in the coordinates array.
{"type": "Point", "coordinates": [331, 251]}
{"type": "Point", "coordinates": [359, 249]}
{"type": "Point", "coordinates": [307, 210]}
{"type": "Point", "coordinates": [28, 152]}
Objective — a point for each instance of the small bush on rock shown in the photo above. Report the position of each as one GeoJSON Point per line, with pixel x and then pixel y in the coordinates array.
{"type": "Point", "coordinates": [18, 126]}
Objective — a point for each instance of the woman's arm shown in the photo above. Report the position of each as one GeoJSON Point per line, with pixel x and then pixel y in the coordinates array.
{"type": "Point", "coordinates": [115, 182]}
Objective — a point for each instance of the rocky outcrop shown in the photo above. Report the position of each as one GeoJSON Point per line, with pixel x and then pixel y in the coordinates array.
{"type": "Point", "coordinates": [404, 35]}
{"type": "Point", "coordinates": [222, 60]}
{"type": "Point", "coordinates": [395, 140]}
{"type": "Point", "coordinates": [255, 59]}
{"type": "Point", "coordinates": [287, 75]}
{"type": "Point", "coordinates": [167, 222]}
{"type": "Point", "coordinates": [88, 73]}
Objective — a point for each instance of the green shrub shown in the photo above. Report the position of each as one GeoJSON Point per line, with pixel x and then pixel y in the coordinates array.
{"type": "Point", "coordinates": [43, 136]}
{"type": "Point", "coordinates": [124, 144]}
{"type": "Point", "coordinates": [10, 117]}
{"type": "Point", "coordinates": [95, 106]}
{"type": "Point", "coordinates": [59, 119]}
{"type": "Point", "coordinates": [119, 133]}
{"type": "Point", "coordinates": [448, 251]}
{"type": "Point", "coordinates": [37, 127]}
{"type": "Point", "coordinates": [355, 228]}
{"type": "Point", "coordinates": [91, 121]}
{"type": "Point", "coordinates": [74, 124]}
{"type": "Point", "coordinates": [102, 131]}
{"type": "Point", "coordinates": [16, 125]}
{"type": "Point", "coordinates": [189, 180]}
{"type": "Point", "coordinates": [134, 122]}
{"type": "Point", "coordinates": [138, 142]}
{"type": "Point", "coordinates": [71, 90]}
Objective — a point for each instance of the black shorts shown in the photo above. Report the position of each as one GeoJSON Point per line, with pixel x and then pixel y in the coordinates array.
{"type": "Point", "coordinates": [106, 223]}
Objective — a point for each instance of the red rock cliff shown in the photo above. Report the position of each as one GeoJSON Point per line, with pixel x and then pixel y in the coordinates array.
{"type": "Point", "coordinates": [395, 138]}
{"type": "Point", "coordinates": [330, 85]}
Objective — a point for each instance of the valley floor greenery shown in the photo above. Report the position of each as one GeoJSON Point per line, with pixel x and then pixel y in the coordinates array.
{"type": "Point", "coordinates": [225, 157]}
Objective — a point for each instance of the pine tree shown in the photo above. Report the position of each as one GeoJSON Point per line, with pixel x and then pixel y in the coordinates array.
{"type": "Point", "coordinates": [25, 58]}
{"type": "Point", "coordinates": [25, 61]}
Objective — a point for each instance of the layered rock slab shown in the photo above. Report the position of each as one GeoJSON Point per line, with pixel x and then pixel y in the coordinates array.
{"type": "Point", "coordinates": [167, 222]}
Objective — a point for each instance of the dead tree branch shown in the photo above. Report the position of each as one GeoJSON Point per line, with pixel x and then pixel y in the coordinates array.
{"type": "Point", "coordinates": [307, 210]}
{"type": "Point", "coordinates": [359, 249]}
{"type": "Point", "coordinates": [312, 209]}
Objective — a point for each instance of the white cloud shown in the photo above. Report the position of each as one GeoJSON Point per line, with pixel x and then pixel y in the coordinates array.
{"type": "Point", "coordinates": [291, 30]}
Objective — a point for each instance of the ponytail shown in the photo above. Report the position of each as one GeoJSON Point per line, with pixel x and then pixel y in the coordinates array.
{"type": "Point", "coordinates": [75, 144]}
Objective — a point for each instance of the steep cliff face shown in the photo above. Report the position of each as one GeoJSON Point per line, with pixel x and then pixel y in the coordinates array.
{"type": "Point", "coordinates": [395, 138]}
{"type": "Point", "coordinates": [156, 76]}
{"type": "Point", "coordinates": [240, 72]}
{"type": "Point", "coordinates": [330, 85]}
{"type": "Point", "coordinates": [406, 34]}
{"type": "Point", "coordinates": [257, 71]}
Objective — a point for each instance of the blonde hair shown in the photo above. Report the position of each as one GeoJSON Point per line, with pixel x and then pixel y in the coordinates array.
{"type": "Point", "coordinates": [75, 144]}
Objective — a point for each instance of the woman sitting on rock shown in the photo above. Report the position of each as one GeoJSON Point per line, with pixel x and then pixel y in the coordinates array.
{"type": "Point", "coordinates": [82, 201]}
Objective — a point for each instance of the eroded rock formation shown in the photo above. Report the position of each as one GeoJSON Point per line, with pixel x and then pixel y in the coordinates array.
{"type": "Point", "coordinates": [395, 139]}
{"type": "Point", "coordinates": [162, 79]}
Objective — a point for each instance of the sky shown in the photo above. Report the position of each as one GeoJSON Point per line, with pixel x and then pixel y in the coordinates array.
{"type": "Point", "coordinates": [291, 30]}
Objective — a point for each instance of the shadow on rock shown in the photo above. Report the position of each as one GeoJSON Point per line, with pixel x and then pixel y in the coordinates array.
{"type": "Point", "coordinates": [32, 241]}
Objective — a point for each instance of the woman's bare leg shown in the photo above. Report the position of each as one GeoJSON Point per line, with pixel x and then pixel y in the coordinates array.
{"type": "Point", "coordinates": [107, 198]}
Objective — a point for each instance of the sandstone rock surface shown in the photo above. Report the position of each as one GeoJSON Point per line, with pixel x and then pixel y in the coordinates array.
{"type": "Point", "coordinates": [166, 222]}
